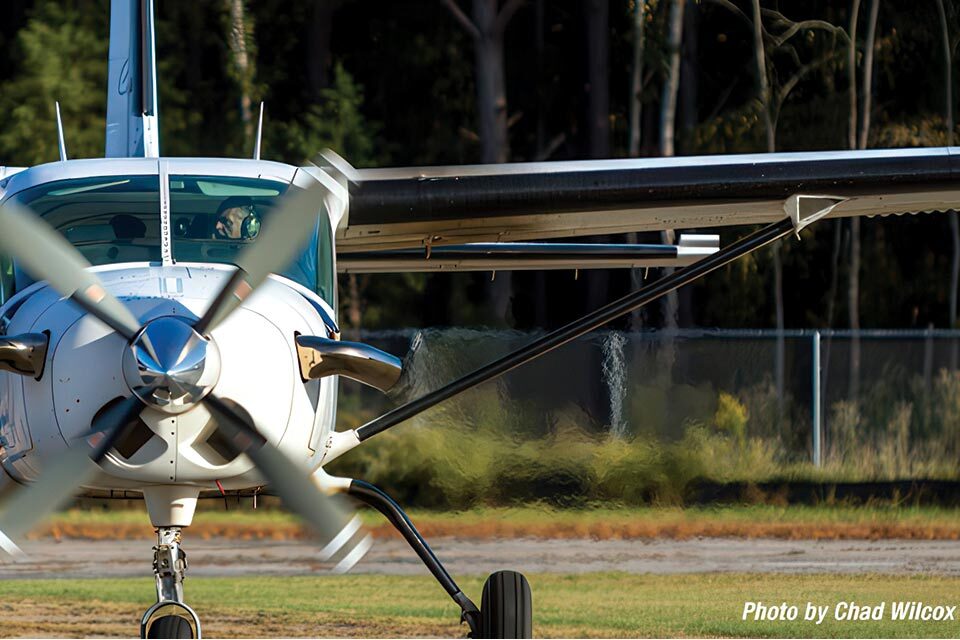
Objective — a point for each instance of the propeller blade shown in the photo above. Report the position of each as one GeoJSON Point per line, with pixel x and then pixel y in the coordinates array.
{"type": "Point", "coordinates": [47, 255]}
{"type": "Point", "coordinates": [289, 480]}
{"type": "Point", "coordinates": [284, 233]}
{"type": "Point", "coordinates": [60, 479]}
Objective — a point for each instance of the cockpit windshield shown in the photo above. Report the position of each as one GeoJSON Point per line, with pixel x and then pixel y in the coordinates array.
{"type": "Point", "coordinates": [212, 219]}
{"type": "Point", "coordinates": [109, 219]}
{"type": "Point", "coordinates": [215, 218]}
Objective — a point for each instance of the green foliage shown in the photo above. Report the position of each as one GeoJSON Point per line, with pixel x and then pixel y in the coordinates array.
{"type": "Point", "coordinates": [918, 132]}
{"type": "Point", "coordinates": [337, 122]}
{"type": "Point", "coordinates": [62, 56]}
{"type": "Point", "coordinates": [731, 418]}
{"type": "Point", "coordinates": [485, 449]}
{"type": "Point", "coordinates": [735, 131]}
{"type": "Point", "coordinates": [470, 454]}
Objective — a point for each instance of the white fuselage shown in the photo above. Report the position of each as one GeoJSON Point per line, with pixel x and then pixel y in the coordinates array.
{"type": "Point", "coordinates": [83, 372]}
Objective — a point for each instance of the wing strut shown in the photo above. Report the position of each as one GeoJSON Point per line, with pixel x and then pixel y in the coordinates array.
{"type": "Point", "coordinates": [343, 441]}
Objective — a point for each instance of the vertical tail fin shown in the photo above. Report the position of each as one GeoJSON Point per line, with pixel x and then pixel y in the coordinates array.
{"type": "Point", "coordinates": [132, 115]}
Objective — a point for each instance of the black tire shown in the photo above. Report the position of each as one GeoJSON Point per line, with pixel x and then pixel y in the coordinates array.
{"type": "Point", "coordinates": [506, 610]}
{"type": "Point", "coordinates": [170, 627]}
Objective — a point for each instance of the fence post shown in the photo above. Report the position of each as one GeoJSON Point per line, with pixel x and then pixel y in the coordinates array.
{"type": "Point", "coordinates": [817, 440]}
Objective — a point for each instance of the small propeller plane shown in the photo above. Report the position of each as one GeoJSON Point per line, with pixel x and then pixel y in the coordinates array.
{"type": "Point", "coordinates": [168, 325]}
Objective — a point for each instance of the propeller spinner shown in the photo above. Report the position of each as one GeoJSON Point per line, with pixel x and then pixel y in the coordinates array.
{"type": "Point", "coordinates": [171, 367]}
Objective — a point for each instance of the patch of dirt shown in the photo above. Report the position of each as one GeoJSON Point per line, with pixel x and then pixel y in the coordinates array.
{"type": "Point", "coordinates": [546, 530]}
{"type": "Point", "coordinates": [57, 619]}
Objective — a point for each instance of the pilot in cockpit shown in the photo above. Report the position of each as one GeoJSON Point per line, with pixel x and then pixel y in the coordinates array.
{"type": "Point", "coordinates": [237, 219]}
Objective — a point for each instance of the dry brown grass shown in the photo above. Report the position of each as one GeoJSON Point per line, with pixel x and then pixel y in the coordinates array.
{"type": "Point", "coordinates": [49, 618]}
{"type": "Point", "coordinates": [676, 530]}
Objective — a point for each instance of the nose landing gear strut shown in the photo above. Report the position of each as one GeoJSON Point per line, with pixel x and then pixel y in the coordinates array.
{"type": "Point", "coordinates": [170, 617]}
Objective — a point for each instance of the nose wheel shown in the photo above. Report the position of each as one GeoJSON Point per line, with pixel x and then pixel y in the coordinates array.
{"type": "Point", "coordinates": [170, 620]}
{"type": "Point", "coordinates": [506, 608]}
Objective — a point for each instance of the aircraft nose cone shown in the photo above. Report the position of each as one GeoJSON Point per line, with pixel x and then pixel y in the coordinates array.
{"type": "Point", "coordinates": [169, 366]}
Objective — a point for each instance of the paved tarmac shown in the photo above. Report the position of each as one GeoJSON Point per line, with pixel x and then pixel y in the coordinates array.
{"type": "Point", "coordinates": [87, 558]}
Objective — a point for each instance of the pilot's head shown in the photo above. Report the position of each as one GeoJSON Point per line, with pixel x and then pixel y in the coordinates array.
{"type": "Point", "coordinates": [237, 219]}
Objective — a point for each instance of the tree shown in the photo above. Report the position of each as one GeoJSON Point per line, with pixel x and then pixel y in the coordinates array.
{"type": "Point", "coordinates": [635, 107]}
{"type": "Point", "coordinates": [853, 291]}
{"type": "Point", "coordinates": [671, 83]}
{"type": "Point", "coordinates": [319, 58]}
{"type": "Point", "coordinates": [598, 44]}
{"type": "Point", "coordinates": [240, 34]}
{"type": "Point", "coordinates": [337, 122]}
{"type": "Point", "coordinates": [668, 134]}
{"type": "Point", "coordinates": [636, 75]}
{"type": "Point", "coordinates": [63, 57]}
{"type": "Point", "coordinates": [486, 29]}
{"type": "Point", "coordinates": [948, 117]}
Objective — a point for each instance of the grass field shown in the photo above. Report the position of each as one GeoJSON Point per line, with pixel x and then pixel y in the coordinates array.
{"type": "Point", "coordinates": [587, 605]}
{"type": "Point", "coordinates": [794, 522]}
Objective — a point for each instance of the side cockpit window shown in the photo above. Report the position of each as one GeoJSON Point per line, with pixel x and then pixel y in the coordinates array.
{"type": "Point", "coordinates": [6, 279]}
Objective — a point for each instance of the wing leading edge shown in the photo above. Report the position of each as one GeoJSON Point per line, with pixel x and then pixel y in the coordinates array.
{"type": "Point", "coordinates": [417, 207]}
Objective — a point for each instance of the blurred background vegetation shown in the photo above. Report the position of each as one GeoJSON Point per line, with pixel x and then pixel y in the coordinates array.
{"type": "Point", "coordinates": [715, 428]}
{"type": "Point", "coordinates": [387, 82]}
{"type": "Point", "coordinates": [394, 83]}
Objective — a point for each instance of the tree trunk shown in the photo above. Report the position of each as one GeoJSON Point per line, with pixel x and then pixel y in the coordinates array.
{"type": "Point", "coordinates": [318, 46]}
{"type": "Point", "coordinates": [763, 83]}
{"type": "Point", "coordinates": [670, 303]}
{"type": "Point", "coordinates": [636, 125]}
{"type": "Point", "coordinates": [492, 111]}
{"type": "Point", "coordinates": [671, 85]}
{"type": "Point", "coordinates": [491, 85]}
{"type": "Point", "coordinates": [539, 46]}
{"type": "Point", "coordinates": [954, 267]}
{"type": "Point", "coordinates": [954, 283]}
{"type": "Point", "coordinates": [636, 76]}
{"type": "Point", "coordinates": [354, 308]}
{"type": "Point", "coordinates": [853, 301]}
{"type": "Point", "coordinates": [781, 354]}
{"type": "Point", "coordinates": [862, 138]}
{"type": "Point", "coordinates": [868, 73]}
{"type": "Point", "coordinates": [852, 69]}
{"type": "Point", "coordinates": [688, 114]}
{"type": "Point", "coordinates": [598, 27]}
{"type": "Point", "coordinates": [668, 114]}
{"type": "Point", "coordinates": [954, 223]}
{"type": "Point", "coordinates": [486, 28]}
{"type": "Point", "coordinates": [763, 91]}
{"type": "Point", "coordinates": [241, 62]}
{"type": "Point", "coordinates": [598, 281]}
{"type": "Point", "coordinates": [689, 77]}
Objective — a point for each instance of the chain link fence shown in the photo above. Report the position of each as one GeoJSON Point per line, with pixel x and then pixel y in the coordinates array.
{"type": "Point", "coordinates": [884, 400]}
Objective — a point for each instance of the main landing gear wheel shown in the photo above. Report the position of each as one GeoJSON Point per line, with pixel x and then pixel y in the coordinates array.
{"type": "Point", "coordinates": [506, 610]}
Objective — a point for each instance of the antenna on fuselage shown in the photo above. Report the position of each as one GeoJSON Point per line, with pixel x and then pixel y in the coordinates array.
{"type": "Point", "coordinates": [256, 142]}
{"type": "Point", "coordinates": [60, 141]}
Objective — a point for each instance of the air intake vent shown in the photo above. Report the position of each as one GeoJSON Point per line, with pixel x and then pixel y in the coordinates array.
{"type": "Point", "coordinates": [213, 440]}
{"type": "Point", "coordinates": [134, 435]}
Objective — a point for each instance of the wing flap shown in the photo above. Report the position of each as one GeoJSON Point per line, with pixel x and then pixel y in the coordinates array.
{"type": "Point", "coordinates": [513, 256]}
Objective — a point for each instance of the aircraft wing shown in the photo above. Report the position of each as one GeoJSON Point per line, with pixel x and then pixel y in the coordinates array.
{"type": "Point", "coordinates": [393, 209]}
